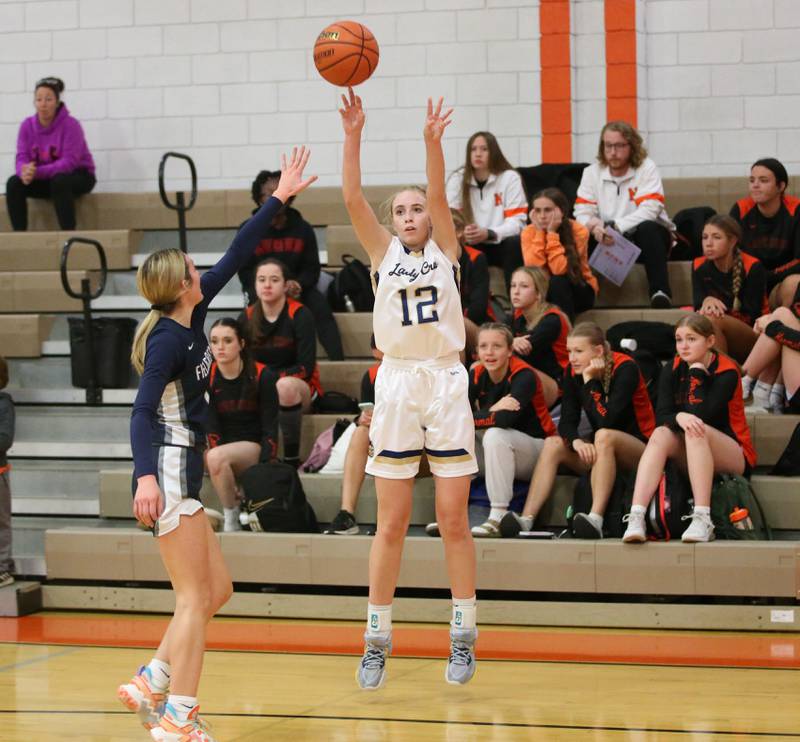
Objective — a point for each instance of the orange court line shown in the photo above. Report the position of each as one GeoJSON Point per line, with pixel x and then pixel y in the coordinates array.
{"type": "Point", "coordinates": [717, 649]}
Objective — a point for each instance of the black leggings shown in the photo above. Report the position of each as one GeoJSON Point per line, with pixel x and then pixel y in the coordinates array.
{"type": "Point", "coordinates": [62, 188]}
{"type": "Point", "coordinates": [571, 298]}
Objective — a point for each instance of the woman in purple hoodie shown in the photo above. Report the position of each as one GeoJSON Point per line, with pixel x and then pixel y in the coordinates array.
{"type": "Point", "coordinates": [53, 159]}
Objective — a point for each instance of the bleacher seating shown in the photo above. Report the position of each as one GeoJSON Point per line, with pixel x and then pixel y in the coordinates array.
{"type": "Point", "coordinates": [71, 460]}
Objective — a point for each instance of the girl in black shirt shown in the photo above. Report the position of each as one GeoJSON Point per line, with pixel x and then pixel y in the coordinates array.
{"type": "Point", "coordinates": [242, 424]}
{"type": "Point", "coordinates": [701, 427]}
{"type": "Point", "coordinates": [776, 356]}
{"type": "Point", "coordinates": [608, 387]}
{"type": "Point", "coordinates": [729, 287]}
{"type": "Point", "coordinates": [281, 335]}
{"type": "Point", "coordinates": [540, 329]}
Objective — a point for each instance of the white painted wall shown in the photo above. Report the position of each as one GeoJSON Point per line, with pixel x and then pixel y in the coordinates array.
{"type": "Point", "coordinates": [232, 82]}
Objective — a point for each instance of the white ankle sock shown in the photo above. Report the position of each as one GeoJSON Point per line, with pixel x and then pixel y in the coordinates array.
{"type": "Point", "coordinates": [640, 509]}
{"type": "Point", "coordinates": [748, 382]}
{"type": "Point", "coordinates": [701, 510]}
{"type": "Point", "coordinates": [526, 521]}
{"type": "Point", "coordinates": [231, 514]}
{"type": "Point", "coordinates": [379, 618]}
{"type": "Point", "coordinates": [464, 613]}
{"type": "Point", "coordinates": [761, 393]}
{"type": "Point", "coordinates": [497, 513]}
{"type": "Point", "coordinates": [181, 706]}
{"type": "Point", "coordinates": [159, 674]}
{"type": "Point", "coordinates": [777, 396]}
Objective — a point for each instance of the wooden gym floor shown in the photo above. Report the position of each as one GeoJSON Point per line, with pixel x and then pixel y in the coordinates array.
{"type": "Point", "coordinates": [294, 680]}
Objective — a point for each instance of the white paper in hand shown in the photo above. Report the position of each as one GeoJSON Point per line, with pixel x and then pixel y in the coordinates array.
{"type": "Point", "coordinates": [616, 260]}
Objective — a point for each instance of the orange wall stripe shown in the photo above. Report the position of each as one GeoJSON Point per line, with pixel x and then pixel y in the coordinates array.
{"type": "Point", "coordinates": [621, 92]}
{"type": "Point", "coordinates": [555, 76]}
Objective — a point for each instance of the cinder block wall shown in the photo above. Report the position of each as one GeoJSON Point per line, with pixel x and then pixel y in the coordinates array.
{"type": "Point", "coordinates": [232, 83]}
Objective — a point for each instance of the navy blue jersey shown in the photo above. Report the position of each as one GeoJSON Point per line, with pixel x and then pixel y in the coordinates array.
{"type": "Point", "coordinates": [170, 406]}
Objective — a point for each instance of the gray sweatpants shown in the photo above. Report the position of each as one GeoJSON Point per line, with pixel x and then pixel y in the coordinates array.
{"type": "Point", "coordinates": [6, 562]}
{"type": "Point", "coordinates": [505, 454]}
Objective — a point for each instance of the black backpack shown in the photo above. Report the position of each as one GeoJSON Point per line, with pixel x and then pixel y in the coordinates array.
{"type": "Point", "coordinates": [788, 465]}
{"type": "Point", "coordinates": [618, 504]}
{"type": "Point", "coordinates": [656, 337]}
{"type": "Point", "coordinates": [689, 225]}
{"type": "Point", "coordinates": [729, 493]}
{"type": "Point", "coordinates": [335, 403]}
{"type": "Point", "coordinates": [274, 494]}
{"type": "Point", "coordinates": [672, 501]}
{"type": "Point", "coordinates": [351, 282]}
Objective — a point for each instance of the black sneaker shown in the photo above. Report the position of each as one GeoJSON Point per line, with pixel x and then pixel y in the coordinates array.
{"type": "Point", "coordinates": [510, 525]}
{"type": "Point", "coordinates": [344, 524]}
{"type": "Point", "coordinates": [660, 300]}
{"type": "Point", "coordinates": [582, 527]}
{"type": "Point", "coordinates": [6, 579]}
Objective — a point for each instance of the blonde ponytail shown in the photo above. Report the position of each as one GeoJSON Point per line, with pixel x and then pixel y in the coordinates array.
{"type": "Point", "coordinates": [159, 280]}
{"type": "Point", "coordinates": [737, 280]}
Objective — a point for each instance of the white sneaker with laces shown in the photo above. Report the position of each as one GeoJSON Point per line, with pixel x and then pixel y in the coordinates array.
{"type": "Point", "coordinates": [700, 530]}
{"type": "Point", "coordinates": [635, 533]}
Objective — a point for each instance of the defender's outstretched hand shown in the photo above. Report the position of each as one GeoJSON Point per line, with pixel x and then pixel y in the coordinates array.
{"type": "Point", "coordinates": [352, 113]}
{"type": "Point", "coordinates": [435, 121]}
{"type": "Point", "coordinates": [291, 182]}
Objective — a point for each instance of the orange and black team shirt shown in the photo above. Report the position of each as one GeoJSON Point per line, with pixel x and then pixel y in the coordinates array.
{"type": "Point", "coordinates": [548, 341]}
{"type": "Point", "coordinates": [774, 240]}
{"type": "Point", "coordinates": [626, 407]}
{"type": "Point", "coordinates": [287, 346]}
{"type": "Point", "coordinates": [715, 396]}
{"type": "Point", "coordinates": [368, 383]}
{"type": "Point", "coordinates": [708, 280]}
{"type": "Point", "coordinates": [522, 383]}
{"type": "Point", "coordinates": [474, 286]}
{"type": "Point", "coordinates": [244, 409]}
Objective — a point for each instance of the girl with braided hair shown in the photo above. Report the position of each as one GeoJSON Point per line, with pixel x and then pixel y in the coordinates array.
{"type": "Point", "coordinates": [540, 329]}
{"type": "Point", "coordinates": [609, 388]}
{"type": "Point", "coordinates": [729, 287]}
{"type": "Point", "coordinates": [560, 246]}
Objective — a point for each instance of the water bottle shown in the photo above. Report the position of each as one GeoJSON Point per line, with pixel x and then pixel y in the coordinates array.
{"type": "Point", "coordinates": [628, 344]}
{"type": "Point", "coordinates": [740, 518]}
{"type": "Point", "coordinates": [348, 303]}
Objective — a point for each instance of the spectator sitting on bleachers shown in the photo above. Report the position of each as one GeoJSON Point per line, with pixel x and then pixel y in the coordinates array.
{"type": "Point", "coordinates": [53, 159]}
{"type": "Point", "coordinates": [6, 439]}
{"type": "Point", "coordinates": [474, 287]}
{"type": "Point", "coordinates": [771, 228]}
{"type": "Point", "coordinates": [242, 424]}
{"type": "Point", "coordinates": [623, 190]}
{"type": "Point", "coordinates": [511, 420]}
{"type": "Point", "coordinates": [280, 334]}
{"type": "Point", "coordinates": [729, 287]}
{"type": "Point", "coordinates": [701, 427]}
{"type": "Point", "coordinates": [540, 330]}
{"type": "Point", "coordinates": [489, 193]}
{"type": "Point", "coordinates": [291, 240]}
{"type": "Point", "coordinates": [560, 246]}
{"type": "Point", "coordinates": [609, 388]}
{"type": "Point", "coordinates": [776, 355]}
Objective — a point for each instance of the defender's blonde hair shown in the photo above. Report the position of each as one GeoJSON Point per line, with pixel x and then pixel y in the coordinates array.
{"type": "Point", "coordinates": [159, 280]}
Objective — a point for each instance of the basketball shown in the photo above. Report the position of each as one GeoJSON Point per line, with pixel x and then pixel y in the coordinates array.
{"type": "Point", "coordinates": [346, 53]}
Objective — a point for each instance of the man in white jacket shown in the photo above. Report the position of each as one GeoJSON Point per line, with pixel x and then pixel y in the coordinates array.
{"type": "Point", "coordinates": [623, 190]}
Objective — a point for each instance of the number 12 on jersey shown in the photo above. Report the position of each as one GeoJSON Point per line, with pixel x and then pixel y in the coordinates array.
{"type": "Point", "coordinates": [422, 306]}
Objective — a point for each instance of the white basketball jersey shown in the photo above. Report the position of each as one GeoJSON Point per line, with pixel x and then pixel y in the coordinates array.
{"type": "Point", "coordinates": [417, 312]}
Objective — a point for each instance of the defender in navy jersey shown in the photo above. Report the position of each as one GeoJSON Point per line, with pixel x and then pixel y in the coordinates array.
{"type": "Point", "coordinates": [420, 390]}
{"type": "Point", "coordinates": [172, 355]}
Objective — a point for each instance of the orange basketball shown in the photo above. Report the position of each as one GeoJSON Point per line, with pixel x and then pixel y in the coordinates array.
{"type": "Point", "coordinates": [346, 53]}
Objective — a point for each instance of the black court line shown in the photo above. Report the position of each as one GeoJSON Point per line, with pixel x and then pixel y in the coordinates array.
{"type": "Point", "coordinates": [444, 722]}
{"type": "Point", "coordinates": [587, 663]}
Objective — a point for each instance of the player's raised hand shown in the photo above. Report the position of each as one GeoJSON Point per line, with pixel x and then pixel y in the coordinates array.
{"type": "Point", "coordinates": [292, 182]}
{"type": "Point", "coordinates": [352, 113]}
{"type": "Point", "coordinates": [436, 121]}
